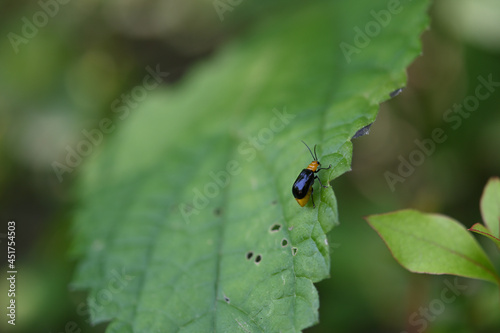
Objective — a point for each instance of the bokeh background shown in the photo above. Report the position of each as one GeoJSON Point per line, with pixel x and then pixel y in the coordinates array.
{"type": "Point", "coordinates": [65, 77]}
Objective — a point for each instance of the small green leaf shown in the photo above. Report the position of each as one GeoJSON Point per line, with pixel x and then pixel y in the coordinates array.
{"type": "Point", "coordinates": [482, 230]}
{"type": "Point", "coordinates": [433, 244]}
{"type": "Point", "coordinates": [490, 206]}
{"type": "Point", "coordinates": [490, 210]}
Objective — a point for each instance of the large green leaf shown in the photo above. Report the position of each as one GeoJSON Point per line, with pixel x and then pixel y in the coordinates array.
{"type": "Point", "coordinates": [188, 222]}
{"type": "Point", "coordinates": [490, 211]}
{"type": "Point", "coordinates": [434, 244]}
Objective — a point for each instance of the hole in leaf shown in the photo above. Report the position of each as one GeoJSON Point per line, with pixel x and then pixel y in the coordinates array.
{"type": "Point", "coordinates": [294, 251]}
{"type": "Point", "coordinates": [275, 227]}
{"type": "Point", "coordinates": [284, 242]}
{"type": "Point", "coordinates": [218, 211]}
{"type": "Point", "coordinates": [258, 258]}
{"type": "Point", "coordinates": [363, 131]}
{"type": "Point", "coordinates": [227, 299]}
{"type": "Point", "coordinates": [396, 92]}
{"type": "Point", "coordinates": [274, 202]}
{"type": "Point", "coordinates": [249, 255]}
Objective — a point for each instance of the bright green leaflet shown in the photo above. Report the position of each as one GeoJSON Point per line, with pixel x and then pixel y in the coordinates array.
{"type": "Point", "coordinates": [482, 230]}
{"type": "Point", "coordinates": [159, 257]}
{"type": "Point", "coordinates": [490, 206]}
{"type": "Point", "coordinates": [434, 244]}
{"type": "Point", "coordinates": [490, 211]}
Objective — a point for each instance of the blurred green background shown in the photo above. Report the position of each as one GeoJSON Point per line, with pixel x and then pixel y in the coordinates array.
{"type": "Point", "coordinates": [65, 78]}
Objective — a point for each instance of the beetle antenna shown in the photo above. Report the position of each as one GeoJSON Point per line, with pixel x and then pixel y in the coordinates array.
{"type": "Point", "coordinates": [315, 154]}
{"type": "Point", "coordinates": [310, 150]}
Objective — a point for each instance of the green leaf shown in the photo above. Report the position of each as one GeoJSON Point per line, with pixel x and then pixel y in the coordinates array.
{"type": "Point", "coordinates": [482, 230]}
{"type": "Point", "coordinates": [188, 222]}
{"type": "Point", "coordinates": [433, 244]}
{"type": "Point", "coordinates": [490, 210]}
{"type": "Point", "coordinates": [490, 206]}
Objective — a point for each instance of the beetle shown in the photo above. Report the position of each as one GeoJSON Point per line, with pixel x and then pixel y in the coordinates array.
{"type": "Point", "coordinates": [302, 189]}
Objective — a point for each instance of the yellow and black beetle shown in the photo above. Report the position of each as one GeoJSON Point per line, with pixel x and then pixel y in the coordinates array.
{"type": "Point", "coordinates": [302, 189]}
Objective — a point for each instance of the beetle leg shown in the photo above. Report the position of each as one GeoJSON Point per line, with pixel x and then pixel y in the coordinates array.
{"type": "Point", "coordinates": [324, 168]}
{"type": "Point", "coordinates": [316, 177]}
